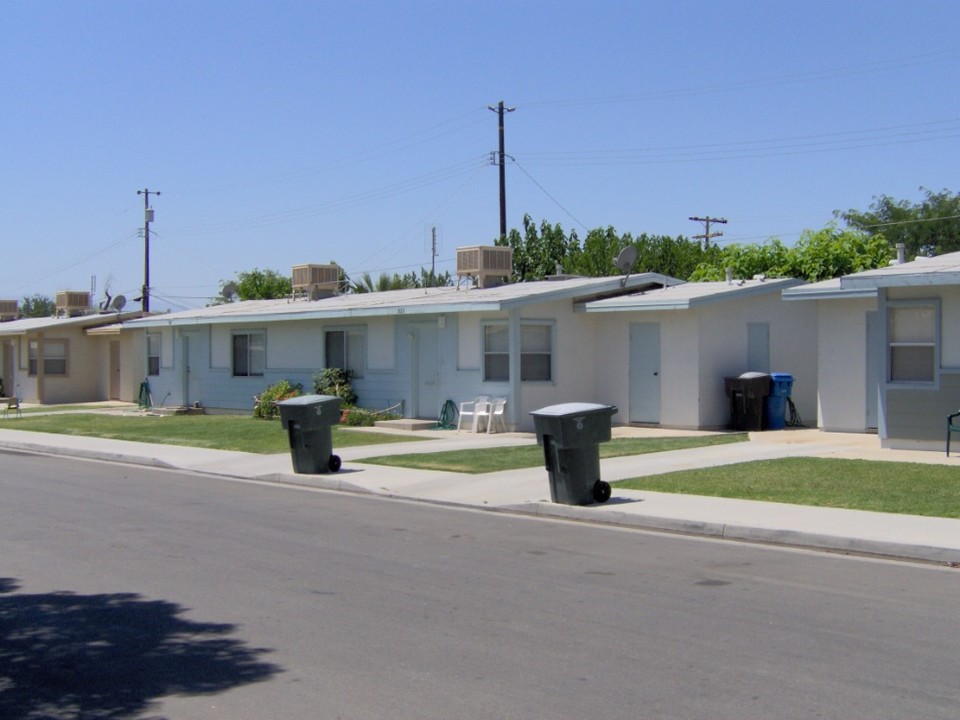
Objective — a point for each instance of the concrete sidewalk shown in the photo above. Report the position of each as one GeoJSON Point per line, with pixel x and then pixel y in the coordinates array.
{"type": "Point", "coordinates": [527, 491]}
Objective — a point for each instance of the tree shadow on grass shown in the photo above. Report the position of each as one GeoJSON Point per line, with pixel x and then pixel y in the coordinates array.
{"type": "Point", "coordinates": [64, 655]}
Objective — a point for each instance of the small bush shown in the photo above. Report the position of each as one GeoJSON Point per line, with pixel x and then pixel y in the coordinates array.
{"type": "Point", "coordinates": [335, 381]}
{"type": "Point", "coordinates": [266, 402]}
{"type": "Point", "coordinates": [358, 417]}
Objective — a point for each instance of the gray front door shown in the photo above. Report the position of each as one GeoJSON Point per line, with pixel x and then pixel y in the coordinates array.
{"type": "Point", "coordinates": [114, 370]}
{"type": "Point", "coordinates": [874, 353]}
{"type": "Point", "coordinates": [191, 369]}
{"type": "Point", "coordinates": [644, 372]}
{"type": "Point", "coordinates": [427, 370]}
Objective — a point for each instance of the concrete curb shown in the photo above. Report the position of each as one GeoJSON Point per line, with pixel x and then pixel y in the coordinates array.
{"type": "Point", "coordinates": [586, 514]}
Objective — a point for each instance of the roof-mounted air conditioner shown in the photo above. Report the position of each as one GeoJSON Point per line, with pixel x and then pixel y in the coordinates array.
{"type": "Point", "coordinates": [489, 264]}
{"type": "Point", "coordinates": [71, 303]}
{"type": "Point", "coordinates": [8, 310]}
{"type": "Point", "coordinates": [315, 281]}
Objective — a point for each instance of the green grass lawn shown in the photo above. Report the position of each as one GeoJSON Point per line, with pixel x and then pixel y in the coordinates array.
{"type": "Point", "coordinates": [907, 488]}
{"type": "Point", "coordinates": [219, 432]}
{"type": "Point", "coordinates": [511, 458]}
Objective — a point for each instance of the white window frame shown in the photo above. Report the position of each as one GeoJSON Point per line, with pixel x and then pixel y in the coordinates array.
{"type": "Point", "coordinates": [253, 353]}
{"type": "Point", "coordinates": [51, 360]}
{"type": "Point", "coordinates": [913, 344]}
{"type": "Point", "coordinates": [154, 353]}
{"type": "Point", "coordinates": [496, 361]}
{"type": "Point", "coordinates": [354, 354]}
{"type": "Point", "coordinates": [527, 353]}
{"type": "Point", "coordinates": [498, 355]}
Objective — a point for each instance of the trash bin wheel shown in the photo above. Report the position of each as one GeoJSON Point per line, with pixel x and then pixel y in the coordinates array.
{"type": "Point", "coordinates": [601, 491]}
{"type": "Point", "coordinates": [334, 463]}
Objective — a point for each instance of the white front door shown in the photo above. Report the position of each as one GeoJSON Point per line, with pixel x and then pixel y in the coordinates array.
{"type": "Point", "coordinates": [644, 372]}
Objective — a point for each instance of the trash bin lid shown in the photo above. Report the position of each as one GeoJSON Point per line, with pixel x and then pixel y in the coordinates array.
{"type": "Point", "coordinates": [781, 376]}
{"type": "Point", "coordinates": [308, 400]}
{"type": "Point", "coordinates": [573, 408]}
{"type": "Point", "coordinates": [750, 375]}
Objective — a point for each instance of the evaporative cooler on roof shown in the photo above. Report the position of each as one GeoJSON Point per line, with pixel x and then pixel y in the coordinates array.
{"type": "Point", "coordinates": [489, 264]}
{"type": "Point", "coordinates": [315, 281]}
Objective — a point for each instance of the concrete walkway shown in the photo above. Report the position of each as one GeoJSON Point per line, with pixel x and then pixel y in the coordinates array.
{"type": "Point", "coordinates": [527, 491]}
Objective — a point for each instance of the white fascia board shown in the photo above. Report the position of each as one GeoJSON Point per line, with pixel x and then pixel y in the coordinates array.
{"type": "Point", "coordinates": [922, 279]}
{"type": "Point", "coordinates": [342, 314]}
{"type": "Point", "coordinates": [832, 294]}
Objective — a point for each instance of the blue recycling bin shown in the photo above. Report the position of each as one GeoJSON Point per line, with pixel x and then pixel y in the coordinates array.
{"type": "Point", "coordinates": [781, 384]}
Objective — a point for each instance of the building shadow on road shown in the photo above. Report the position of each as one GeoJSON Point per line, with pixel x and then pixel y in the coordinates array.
{"type": "Point", "coordinates": [65, 655]}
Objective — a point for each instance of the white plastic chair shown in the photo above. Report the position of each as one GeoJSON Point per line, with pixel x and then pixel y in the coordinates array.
{"type": "Point", "coordinates": [474, 409]}
{"type": "Point", "coordinates": [497, 407]}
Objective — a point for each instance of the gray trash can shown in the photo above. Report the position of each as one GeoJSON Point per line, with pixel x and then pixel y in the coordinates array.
{"type": "Point", "coordinates": [308, 420]}
{"type": "Point", "coordinates": [747, 394]}
{"type": "Point", "coordinates": [570, 435]}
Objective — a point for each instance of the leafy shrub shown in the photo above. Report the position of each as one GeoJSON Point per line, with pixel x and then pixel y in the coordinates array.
{"type": "Point", "coordinates": [266, 402]}
{"type": "Point", "coordinates": [358, 417]}
{"type": "Point", "coordinates": [335, 381]}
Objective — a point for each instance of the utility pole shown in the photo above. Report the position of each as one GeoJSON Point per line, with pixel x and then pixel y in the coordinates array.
{"type": "Point", "coordinates": [707, 235]}
{"type": "Point", "coordinates": [433, 256]}
{"type": "Point", "coordinates": [500, 110]}
{"type": "Point", "coordinates": [147, 219]}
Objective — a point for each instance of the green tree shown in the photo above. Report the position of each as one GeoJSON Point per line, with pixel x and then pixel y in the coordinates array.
{"type": "Point", "coordinates": [928, 227]}
{"type": "Point", "coordinates": [677, 257]}
{"type": "Point", "coordinates": [817, 255]}
{"type": "Point", "coordinates": [426, 278]}
{"type": "Point", "coordinates": [538, 251]}
{"type": "Point", "coordinates": [771, 258]}
{"type": "Point", "coordinates": [385, 282]}
{"type": "Point", "coordinates": [597, 257]}
{"type": "Point", "coordinates": [255, 284]}
{"type": "Point", "coordinates": [36, 306]}
{"type": "Point", "coordinates": [831, 252]}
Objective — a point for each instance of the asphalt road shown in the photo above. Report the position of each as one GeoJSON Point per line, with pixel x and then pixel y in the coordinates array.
{"type": "Point", "coordinates": [130, 593]}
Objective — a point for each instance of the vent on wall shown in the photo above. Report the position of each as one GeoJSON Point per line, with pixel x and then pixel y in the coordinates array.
{"type": "Point", "coordinates": [72, 303]}
{"type": "Point", "coordinates": [489, 264]}
{"type": "Point", "coordinates": [8, 310]}
{"type": "Point", "coordinates": [315, 281]}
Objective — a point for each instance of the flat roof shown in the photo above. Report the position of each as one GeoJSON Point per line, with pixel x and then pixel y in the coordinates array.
{"type": "Point", "coordinates": [418, 301]}
{"type": "Point", "coordinates": [690, 295]}
{"type": "Point", "coordinates": [827, 290]}
{"type": "Point", "coordinates": [29, 325]}
{"type": "Point", "coordinates": [938, 270]}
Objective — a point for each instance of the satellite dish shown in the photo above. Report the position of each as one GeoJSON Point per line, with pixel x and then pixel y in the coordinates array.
{"type": "Point", "coordinates": [625, 261]}
{"type": "Point", "coordinates": [119, 302]}
{"type": "Point", "coordinates": [626, 258]}
{"type": "Point", "coordinates": [228, 291]}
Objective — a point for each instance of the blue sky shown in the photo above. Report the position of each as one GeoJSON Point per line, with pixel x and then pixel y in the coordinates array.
{"type": "Point", "coordinates": [282, 133]}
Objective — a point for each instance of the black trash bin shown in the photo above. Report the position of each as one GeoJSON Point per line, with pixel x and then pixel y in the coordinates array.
{"type": "Point", "coordinates": [308, 420]}
{"type": "Point", "coordinates": [747, 394]}
{"type": "Point", "coordinates": [570, 435]}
